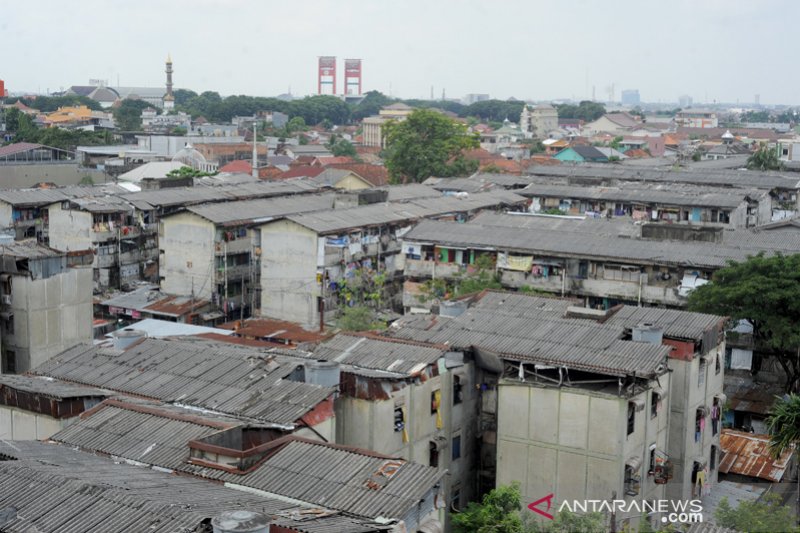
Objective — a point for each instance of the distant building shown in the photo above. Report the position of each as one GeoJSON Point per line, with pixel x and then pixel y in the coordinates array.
{"type": "Point", "coordinates": [697, 118]}
{"type": "Point", "coordinates": [538, 121]}
{"type": "Point", "coordinates": [372, 126]}
{"type": "Point", "coordinates": [685, 101]}
{"type": "Point", "coordinates": [630, 97]}
{"type": "Point", "coordinates": [473, 97]}
{"type": "Point", "coordinates": [581, 154]}
{"type": "Point", "coordinates": [614, 123]}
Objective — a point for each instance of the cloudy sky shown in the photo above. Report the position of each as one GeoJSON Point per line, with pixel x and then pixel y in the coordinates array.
{"type": "Point", "coordinates": [712, 50]}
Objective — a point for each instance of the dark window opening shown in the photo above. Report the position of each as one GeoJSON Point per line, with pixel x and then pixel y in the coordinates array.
{"type": "Point", "coordinates": [456, 445]}
{"type": "Point", "coordinates": [399, 419]}
{"type": "Point", "coordinates": [713, 461]}
{"type": "Point", "coordinates": [655, 404]}
{"type": "Point", "coordinates": [717, 367]}
{"type": "Point", "coordinates": [458, 394]}
{"type": "Point", "coordinates": [631, 418]}
{"type": "Point", "coordinates": [10, 363]}
{"type": "Point", "coordinates": [433, 455]}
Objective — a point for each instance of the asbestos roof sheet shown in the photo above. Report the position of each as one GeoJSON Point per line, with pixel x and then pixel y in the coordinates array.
{"type": "Point", "coordinates": [231, 379]}
{"type": "Point", "coordinates": [49, 387]}
{"type": "Point", "coordinates": [41, 197]}
{"type": "Point", "coordinates": [749, 455]}
{"type": "Point", "coordinates": [721, 178]}
{"type": "Point", "coordinates": [52, 488]}
{"type": "Point", "coordinates": [336, 220]}
{"type": "Point", "coordinates": [550, 242]}
{"type": "Point", "coordinates": [318, 474]}
{"type": "Point", "coordinates": [675, 323]}
{"type": "Point", "coordinates": [361, 351]}
{"type": "Point", "coordinates": [529, 328]}
{"type": "Point", "coordinates": [730, 198]}
{"type": "Point", "coordinates": [265, 208]}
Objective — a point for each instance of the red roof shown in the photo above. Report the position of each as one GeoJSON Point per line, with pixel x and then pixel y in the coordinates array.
{"type": "Point", "coordinates": [333, 160]}
{"type": "Point", "coordinates": [18, 148]}
{"type": "Point", "coordinates": [303, 171]}
{"type": "Point", "coordinates": [637, 153]}
{"type": "Point", "coordinates": [275, 330]}
{"type": "Point", "coordinates": [377, 175]}
{"type": "Point", "coordinates": [238, 166]}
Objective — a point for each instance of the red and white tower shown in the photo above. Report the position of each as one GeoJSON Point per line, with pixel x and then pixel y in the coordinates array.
{"type": "Point", "coordinates": [352, 77]}
{"type": "Point", "coordinates": [326, 75]}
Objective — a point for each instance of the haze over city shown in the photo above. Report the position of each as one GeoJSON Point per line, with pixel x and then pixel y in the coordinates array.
{"type": "Point", "coordinates": [711, 50]}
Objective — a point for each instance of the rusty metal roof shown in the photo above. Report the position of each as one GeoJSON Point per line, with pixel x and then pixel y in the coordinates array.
{"type": "Point", "coordinates": [748, 455]}
{"type": "Point", "coordinates": [274, 330]}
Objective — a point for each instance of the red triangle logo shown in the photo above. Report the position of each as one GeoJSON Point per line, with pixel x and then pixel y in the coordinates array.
{"type": "Point", "coordinates": [534, 506]}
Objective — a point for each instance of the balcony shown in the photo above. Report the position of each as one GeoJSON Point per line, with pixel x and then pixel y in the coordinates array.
{"type": "Point", "coordinates": [516, 279]}
{"type": "Point", "coordinates": [239, 246]}
{"type": "Point", "coordinates": [419, 268]}
{"type": "Point", "coordinates": [234, 273]}
{"type": "Point", "coordinates": [105, 261]}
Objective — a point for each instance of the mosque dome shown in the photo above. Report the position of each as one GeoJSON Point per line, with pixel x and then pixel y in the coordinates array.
{"type": "Point", "coordinates": [189, 156]}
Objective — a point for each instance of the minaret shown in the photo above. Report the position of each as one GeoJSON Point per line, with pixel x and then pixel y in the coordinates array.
{"type": "Point", "coordinates": [169, 99]}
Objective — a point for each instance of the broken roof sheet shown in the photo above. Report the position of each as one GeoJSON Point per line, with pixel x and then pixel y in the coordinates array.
{"type": "Point", "coordinates": [363, 351]}
{"type": "Point", "coordinates": [231, 379]}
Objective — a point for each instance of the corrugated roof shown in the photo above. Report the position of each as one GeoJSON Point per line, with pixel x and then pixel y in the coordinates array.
{"type": "Point", "coordinates": [529, 328]}
{"type": "Point", "coordinates": [231, 379]}
{"type": "Point", "coordinates": [749, 455]}
{"type": "Point", "coordinates": [335, 220]}
{"type": "Point", "coordinates": [548, 242]}
{"type": "Point", "coordinates": [336, 477]}
{"type": "Point", "coordinates": [363, 351]}
{"type": "Point", "coordinates": [29, 249]}
{"type": "Point", "coordinates": [49, 387]}
{"type": "Point", "coordinates": [675, 323]}
{"type": "Point", "coordinates": [262, 209]}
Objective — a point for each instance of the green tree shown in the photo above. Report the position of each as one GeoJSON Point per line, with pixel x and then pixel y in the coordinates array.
{"type": "Point", "coordinates": [765, 158]}
{"type": "Point", "coordinates": [765, 515]}
{"type": "Point", "coordinates": [566, 522]}
{"type": "Point", "coordinates": [498, 512]}
{"type": "Point", "coordinates": [295, 124]}
{"type": "Point", "coordinates": [12, 119]}
{"type": "Point", "coordinates": [359, 318]}
{"type": "Point", "coordinates": [765, 291]}
{"type": "Point", "coordinates": [784, 429]}
{"type": "Point", "coordinates": [494, 110]}
{"type": "Point", "coordinates": [188, 172]}
{"type": "Point", "coordinates": [585, 110]}
{"type": "Point", "coordinates": [370, 105]}
{"type": "Point", "coordinates": [341, 147]}
{"type": "Point", "coordinates": [182, 96]}
{"type": "Point", "coordinates": [128, 116]}
{"type": "Point", "coordinates": [426, 144]}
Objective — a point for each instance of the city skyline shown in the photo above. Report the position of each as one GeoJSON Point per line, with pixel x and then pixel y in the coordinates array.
{"type": "Point", "coordinates": [466, 47]}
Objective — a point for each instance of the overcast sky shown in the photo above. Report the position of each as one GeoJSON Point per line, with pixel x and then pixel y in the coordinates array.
{"type": "Point", "coordinates": [723, 50]}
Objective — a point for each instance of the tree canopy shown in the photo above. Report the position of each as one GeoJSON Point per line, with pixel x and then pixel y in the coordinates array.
{"type": "Point", "coordinates": [427, 144]}
{"type": "Point", "coordinates": [25, 130]}
{"type": "Point", "coordinates": [128, 116]}
{"type": "Point", "coordinates": [765, 158]}
{"type": "Point", "coordinates": [46, 104]}
{"type": "Point", "coordinates": [585, 110]}
{"type": "Point", "coordinates": [767, 515]}
{"type": "Point", "coordinates": [766, 292]}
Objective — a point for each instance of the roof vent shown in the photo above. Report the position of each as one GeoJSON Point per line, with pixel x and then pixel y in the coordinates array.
{"type": "Point", "coordinates": [124, 338]}
{"type": "Point", "coordinates": [235, 450]}
{"type": "Point", "coordinates": [647, 332]}
{"type": "Point", "coordinates": [240, 522]}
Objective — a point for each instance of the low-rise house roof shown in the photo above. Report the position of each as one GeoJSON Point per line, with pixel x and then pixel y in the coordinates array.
{"type": "Point", "coordinates": [749, 455]}
{"type": "Point", "coordinates": [236, 380]}
{"type": "Point", "coordinates": [260, 210]}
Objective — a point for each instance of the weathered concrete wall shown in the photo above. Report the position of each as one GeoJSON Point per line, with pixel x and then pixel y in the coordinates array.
{"type": "Point", "coordinates": [6, 215]}
{"type": "Point", "coordinates": [288, 272]}
{"type": "Point", "coordinates": [18, 176]}
{"type": "Point", "coordinates": [50, 315]}
{"type": "Point", "coordinates": [17, 424]}
{"type": "Point", "coordinates": [187, 264]}
{"type": "Point", "coordinates": [69, 230]}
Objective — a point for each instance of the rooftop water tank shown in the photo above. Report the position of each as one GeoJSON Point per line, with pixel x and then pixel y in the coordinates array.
{"type": "Point", "coordinates": [323, 373]}
{"type": "Point", "coordinates": [240, 522]}
{"type": "Point", "coordinates": [647, 332]}
{"type": "Point", "coordinates": [126, 337]}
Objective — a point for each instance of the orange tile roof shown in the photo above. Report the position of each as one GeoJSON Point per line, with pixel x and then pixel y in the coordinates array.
{"type": "Point", "coordinates": [377, 175]}
{"type": "Point", "coordinates": [238, 166]}
{"type": "Point", "coordinates": [334, 160]}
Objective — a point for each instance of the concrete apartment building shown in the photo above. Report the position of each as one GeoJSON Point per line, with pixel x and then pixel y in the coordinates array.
{"type": "Point", "coordinates": [407, 399]}
{"type": "Point", "coordinates": [603, 261]}
{"type": "Point", "coordinates": [538, 121]}
{"type": "Point", "coordinates": [696, 118]}
{"type": "Point", "coordinates": [586, 404]}
{"type": "Point", "coordinates": [319, 256]}
{"type": "Point", "coordinates": [45, 303]}
{"type": "Point", "coordinates": [213, 251]}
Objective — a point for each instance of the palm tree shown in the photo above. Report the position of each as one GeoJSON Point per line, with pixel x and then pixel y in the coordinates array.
{"type": "Point", "coordinates": [765, 158]}
{"type": "Point", "coordinates": [784, 429]}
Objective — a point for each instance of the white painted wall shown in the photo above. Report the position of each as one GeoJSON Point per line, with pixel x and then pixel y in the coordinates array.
{"type": "Point", "coordinates": [187, 263]}
{"type": "Point", "coordinates": [288, 272]}
{"type": "Point", "coordinates": [17, 424]}
{"type": "Point", "coordinates": [69, 229]}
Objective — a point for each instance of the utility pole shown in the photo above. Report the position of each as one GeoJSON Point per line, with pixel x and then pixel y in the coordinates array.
{"type": "Point", "coordinates": [255, 149]}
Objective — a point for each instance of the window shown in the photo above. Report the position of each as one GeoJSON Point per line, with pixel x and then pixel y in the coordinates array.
{"type": "Point", "coordinates": [631, 417]}
{"type": "Point", "coordinates": [713, 461]}
{"type": "Point", "coordinates": [458, 394]}
{"type": "Point", "coordinates": [10, 363]}
{"type": "Point", "coordinates": [632, 480]}
{"type": "Point", "coordinates": [717, 367]}
{"type": "Point", "coordinates": [701, 375]}
{"type": "Point", "coordinates": [399, 419]}
{"type": "Point", "coordinates": [433, 455]}
{"type": "Point", "coordinates": [699, 423]}
{"type": "Point", "coordinates": [456, 445]}
{"type": "Point", "coordinates": [655, 404]}
{"type": "Point", "coordinates": [436, 401]}
{"type": "Point", "coordinates": [8, 324]}
{"type": "Point", "coordinates": [652, 467]}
